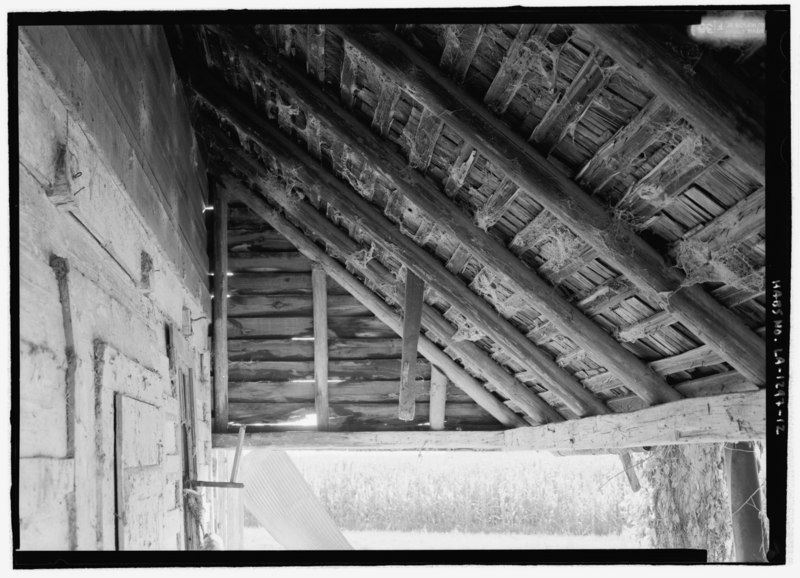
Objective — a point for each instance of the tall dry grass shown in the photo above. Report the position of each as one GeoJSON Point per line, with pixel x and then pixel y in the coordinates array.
{"type": "Point", "coordinates": [521, 492]}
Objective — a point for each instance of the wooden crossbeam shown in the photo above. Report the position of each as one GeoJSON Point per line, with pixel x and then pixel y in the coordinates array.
{"type": "Point", "coordinates": [412, 318]}
{"type": "Point", "coordinates": [618, 244]}
{"type": "Point", "coordinates": [319, 294]}
{"type": "Point", "coordinates": [416, 259]}
{"type": "Point", "coordinates": [376, 305]}
{"type": "Point", "coordinates": [722, 108]}
{"type": "Point", "coordinates": [475, 359]}
{"type": "Point", "coordinates": [725, 418]}
{"type": "Point", "coordinates": [733, 417]}
{"type": "Point", "coordinates": [220, 319]}
{"type": "Point", "coordinates": [487, 249]}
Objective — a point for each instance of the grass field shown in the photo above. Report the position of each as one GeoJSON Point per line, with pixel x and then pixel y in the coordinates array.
{"type": "Point", "coordinates": [469, 500]}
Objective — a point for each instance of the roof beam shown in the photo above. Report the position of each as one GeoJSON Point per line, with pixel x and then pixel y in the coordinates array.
{"type": "Point", "coordinates": [722, 108]}
{"type": "Point", "coordinates": [376, 305]}
{"type": "Point", "coordinates": [615, 242]}
{"type": "Point", "coordinates": [387, 235]}
{"type": "Point", "coordinates": [725, 418]}
{"type": "Point", "coordinates": [412, 319]}
{"type": "Point", "coordinates": [742, 220]}
{"type": "Point", "coordinates": [487, 249]}
{"type": "Point", "coordinates": [475, 359]}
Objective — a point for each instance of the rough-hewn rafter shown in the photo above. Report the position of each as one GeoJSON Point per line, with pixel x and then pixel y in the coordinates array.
{"type": "Point", "coordinates": [376, 305]}
{"type": "Point", "coordinates": [473, 357]}
{"type": "Point", "coordinates": [389, 236]}
{"type": "Point", "coordinates": [721, 108]}
{"type": "Point", "coordinates": [484, 247]}
{"type": "Point", "coordinates": [618, 245]}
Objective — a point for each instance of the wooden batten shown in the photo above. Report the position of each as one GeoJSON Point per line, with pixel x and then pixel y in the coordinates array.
{"type": "Point", "coordinates": [220, 319]}
{"type": "Point", "coordinates": [438, 399]}
{"type": "Point", "coordinates": [412, 318]}
{"type": "Point", "coordinates": [585, 216]}
{"type": "Point", "coordinates": [320, 298]}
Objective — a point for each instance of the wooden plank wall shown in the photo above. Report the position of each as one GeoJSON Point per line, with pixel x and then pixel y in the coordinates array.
{"type": "Point", "coordinates": [94, 325]}
{"type": "Point", "coordinates": [271, 347]}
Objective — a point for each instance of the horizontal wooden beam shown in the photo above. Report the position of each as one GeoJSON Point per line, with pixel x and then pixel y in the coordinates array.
{"type": "Point", "coordinates": [385, 440]}
{"type": "Point", "coordinates": [723, 109]}
{"type": "Point", "coordinates": [592, 222]}
{"type": "Point", "coordinates": [382, 311]}
{"type": "Point", "coordinates": [725, 418]}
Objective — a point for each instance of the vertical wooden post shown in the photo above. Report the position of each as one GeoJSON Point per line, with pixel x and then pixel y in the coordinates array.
{"type": "Point", "coordinates": [220, 310]}
{"type": "Point", "coordinates": [745, 495]}
{"type": "Point", "coordinates": [438, 398]}
{"type": "Point", "coordinates": [412, 319]}
{"type": "Point", "coordinates": [320, 304]}
{"type": "Point", "coordinates": [630, 472]}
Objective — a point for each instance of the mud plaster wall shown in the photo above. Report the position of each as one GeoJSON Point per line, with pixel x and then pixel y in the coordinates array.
{"type": "Point", "coordinates": [132, 250]}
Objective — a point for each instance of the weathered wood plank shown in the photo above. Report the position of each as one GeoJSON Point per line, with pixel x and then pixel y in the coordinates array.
{"type": "Point", "coordinates": [412, 319]}
{"type": "Point", "coordinates": [692, 359]}
{"type": "Point", "coordinates": [267, 262]}
{"type": "Point", "coordinates": [347, 83]}
{"type": "Point", "coordinates": [276, 283]}
{"type": "Point", "coordinates": [348, 369]}
{"type": "Point", "coordinates": [352, 415]}
{"type": "Point", "coordinates": [411, 440]}
{"type": "Point", "coordinates": [724, 418]}
{"type": "Point", "coordinates": [383, 391]}
{"type": "Point", "coordinates": [460, 169]}
{"type": "Point", "coordinates": [379, 308]}
{"type": "Point", "coordinates": [293, 350]}
{"type": "Point", "coordinates": [587, 218]}
{"type": "Point", "coordinates": [292, 305]}
{"type": "Point", "coordinates": [338, 327]}
{"type": "Point", "coordinates": [220, 307]}
{"type": "Point", "coordinates": [438, 399]}
{"type": "Point", "coordinates": [320, 347]}
{"type": "Point", "coordinates": [722, 109]}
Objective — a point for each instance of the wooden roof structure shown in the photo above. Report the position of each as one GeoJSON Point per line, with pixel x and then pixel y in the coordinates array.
{"type": "Point", "coordinates": [565, 222]}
